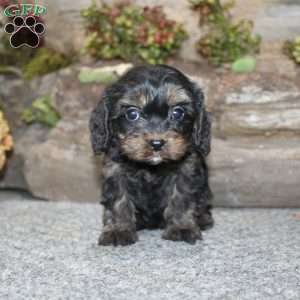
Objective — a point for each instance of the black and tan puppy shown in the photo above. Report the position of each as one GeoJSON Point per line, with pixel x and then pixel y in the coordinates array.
{"type": "Point", "coordinates": [155, 133]}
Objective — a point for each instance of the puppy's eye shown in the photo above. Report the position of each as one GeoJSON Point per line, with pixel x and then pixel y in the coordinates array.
{"type": "Point", "coordinates": [177, 113]}
{"type": "Point", "coordinates": [132, 114]}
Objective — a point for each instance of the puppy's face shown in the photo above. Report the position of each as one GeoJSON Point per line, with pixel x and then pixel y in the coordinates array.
{"type": "Point", "coordinates": [152, 115]}
{"type": "Point", "coordinates": [154, 123]}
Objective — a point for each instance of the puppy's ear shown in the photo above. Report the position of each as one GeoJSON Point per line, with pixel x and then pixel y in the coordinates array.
{"type": "Point", "coordinates": [202, 126]}
{"type": "Point", "coordinates": [100, 127]}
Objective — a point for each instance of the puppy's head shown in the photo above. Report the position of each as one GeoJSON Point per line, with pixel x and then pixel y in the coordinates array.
{"type": "Point", "coordinates": [153, 114]}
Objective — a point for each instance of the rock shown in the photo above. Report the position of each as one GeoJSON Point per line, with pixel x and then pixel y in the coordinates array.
{"type": "Point", "coordinates": [24, 141]}
{"type": "Point", "coordinates": [15, 95]}
{"type": "Point", "coordinates": [243, 172]}
{"type": "Point", "coordinates": [255, 173]}
{"type": "Point", "coordinates": [65, 14]}
{"type": "Point", "coordinates": [254, 121]}
{"type": "Point", "coordinates": [272, 60]}
{"type": "Point", "coordinates": [64, 167]}
{"type": "Point", "coordinates": [259, 105]}
{"type": "Point", "coordinates": [70, 97]}
{"type": "Point", "coordinates": [272, 13]}
{"type": "Point", "coordinates": [44, 85]}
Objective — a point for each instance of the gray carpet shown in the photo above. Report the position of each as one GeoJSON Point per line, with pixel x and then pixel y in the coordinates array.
{"type": "Point", "coordinates": [49, 251]}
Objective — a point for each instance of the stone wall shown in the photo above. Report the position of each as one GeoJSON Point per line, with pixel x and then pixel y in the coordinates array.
{"type": "Point", "coordinates": [255, 157]}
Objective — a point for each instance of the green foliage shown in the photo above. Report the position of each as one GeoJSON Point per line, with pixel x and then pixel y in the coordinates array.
{"type": "Point", "coordinates": [226, 40]}
{"type": "Point", "coordinates": [244, 65]}
{"type": "Point", "coordinates": [45, 61]}
{"type": "Point", "coordinates": [131, 32]}
{"type": "Point", "coordinates": [89, 75]}
{"type": "Point", "coordinates": [292, 49]}
{"type": "Point", "coordinates": [42, 112]}
{"type": "Point", "coordinates": [29, 62]}
{"type": "Point", "coordinates": [13, 57]}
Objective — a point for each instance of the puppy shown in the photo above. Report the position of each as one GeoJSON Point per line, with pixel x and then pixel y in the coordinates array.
{"type": "Point", "coordinates": [154, 131]}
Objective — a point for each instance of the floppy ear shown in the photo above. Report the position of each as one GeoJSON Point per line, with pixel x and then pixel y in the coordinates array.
{"type": "Point", "coordinates": [100, 127]}
{"type": "Point", "coordinates": [202, 126]}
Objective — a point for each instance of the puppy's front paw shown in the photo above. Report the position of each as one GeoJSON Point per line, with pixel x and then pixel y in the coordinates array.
{"type": "Point", "coordinates": [182, 234]}
{"type": "Point", "coordinates": [206, 221]}
{"type": "Point", "coordinates": [117, 238]}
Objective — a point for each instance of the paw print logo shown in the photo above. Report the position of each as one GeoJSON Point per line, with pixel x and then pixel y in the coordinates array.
{"type": "Point", "coordinates": [24, 31]}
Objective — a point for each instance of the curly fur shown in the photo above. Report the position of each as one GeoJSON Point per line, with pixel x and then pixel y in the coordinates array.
{"type": "Point", "coordinates": [143, 188]}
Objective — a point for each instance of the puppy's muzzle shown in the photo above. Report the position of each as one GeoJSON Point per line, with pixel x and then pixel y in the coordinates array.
{"type": "Point", "coordinates": [157, 144]}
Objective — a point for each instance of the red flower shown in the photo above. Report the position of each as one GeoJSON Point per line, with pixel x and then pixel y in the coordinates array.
{"type": "Point", "coordinates": [158, 38]}
{"type": "Point", "coordinates": [115, 12]}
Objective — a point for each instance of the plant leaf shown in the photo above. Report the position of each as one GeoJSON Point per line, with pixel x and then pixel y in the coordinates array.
{"type": "Point", "coordinates": [245, 64]}
{"type": "Point", "coordinates": [88, 75]}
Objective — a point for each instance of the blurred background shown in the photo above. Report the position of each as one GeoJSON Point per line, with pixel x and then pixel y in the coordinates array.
{"type": "Point", "coordinates": [244, 54]}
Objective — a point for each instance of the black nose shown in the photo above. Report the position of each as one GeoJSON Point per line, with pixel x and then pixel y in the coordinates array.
{"type": "Point", "coordinates": [157, 144]}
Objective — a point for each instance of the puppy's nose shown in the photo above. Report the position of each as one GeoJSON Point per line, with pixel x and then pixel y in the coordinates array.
{"type": "Point", "coordinates": [157, 144]}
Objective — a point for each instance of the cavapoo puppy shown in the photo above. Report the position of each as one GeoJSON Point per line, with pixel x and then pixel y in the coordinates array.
{"type": "Point", "coordinates": [154, 131]}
